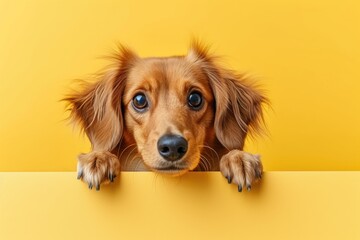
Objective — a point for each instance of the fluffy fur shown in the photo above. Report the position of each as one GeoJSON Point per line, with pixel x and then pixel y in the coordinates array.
{"type": "Point", "coordinates": [122, 136]}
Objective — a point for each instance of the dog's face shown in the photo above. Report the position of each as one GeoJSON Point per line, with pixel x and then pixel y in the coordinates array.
{"type": "Point", "coordinates": [168, 106]}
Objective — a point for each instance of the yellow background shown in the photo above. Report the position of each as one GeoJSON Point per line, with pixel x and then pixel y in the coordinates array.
{"type": "Point", "coordinates": [305, 53]}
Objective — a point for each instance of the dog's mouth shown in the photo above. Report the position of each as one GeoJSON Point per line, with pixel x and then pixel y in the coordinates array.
{"type": "Point", "coordinates": [174, 170]}
{"type": "Point", "coordinates": [171, 168]}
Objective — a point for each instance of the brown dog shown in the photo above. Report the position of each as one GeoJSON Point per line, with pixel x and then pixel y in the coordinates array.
{"type": "Point", "coordinates": [171, 115]}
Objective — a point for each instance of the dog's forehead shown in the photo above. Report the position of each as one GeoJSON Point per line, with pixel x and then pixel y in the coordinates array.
{"type": "Point", "coordinates": [166, 74]}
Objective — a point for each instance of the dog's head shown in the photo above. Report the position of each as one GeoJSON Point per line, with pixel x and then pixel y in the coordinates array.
{"type": "Point", "coordinates": [171, 108]}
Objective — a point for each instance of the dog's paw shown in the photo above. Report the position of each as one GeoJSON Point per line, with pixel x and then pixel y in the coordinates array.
{"type": "Point", "coordinates": [95, 168]}
{"type": "Point", "coordinates": [241, 168]}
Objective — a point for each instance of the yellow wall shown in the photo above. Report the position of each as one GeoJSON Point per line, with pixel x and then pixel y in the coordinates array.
{"type": "Point", "coordinates": [287, 205]}
{"type": "Point", "coordinates": [306, 53]}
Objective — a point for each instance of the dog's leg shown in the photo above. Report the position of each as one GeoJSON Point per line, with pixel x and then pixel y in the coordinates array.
{"type": "Point", "coordinates": [241, 168]}
{"type": "Point", "coordinates": [97, 167]}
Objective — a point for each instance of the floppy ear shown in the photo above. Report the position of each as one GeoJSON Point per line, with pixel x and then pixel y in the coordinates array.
{"type": "Point", "coordinates": [97, 107]}
{"type": "Point", "coordinates": [238, 103]}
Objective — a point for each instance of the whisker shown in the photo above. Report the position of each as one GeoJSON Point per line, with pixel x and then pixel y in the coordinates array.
{"type": "Point", "coordinates": [211, 159]}
{"type": "Point", "coordinates": [201, 165]}
{"type": "Point", "coordinates": [131, 145]}
{"type": "Point", "coordinates": [155, 178]}
{"type": "Point", "coordinates": [206, 162]}
{"type": "Point", "coordinates": [140, 162]}
{"type": "Point", "coordinates": [119, 145]}
{"type": "Point", "coordinates": [137, 164]}
{"type": "Point", "coordinates": [212, 149]}
{"type": "Point", "coordinates": [127, 158]}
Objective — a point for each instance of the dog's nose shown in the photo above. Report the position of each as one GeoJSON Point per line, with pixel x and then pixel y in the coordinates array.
{"type": "Point", "coordinates": [172, 147]}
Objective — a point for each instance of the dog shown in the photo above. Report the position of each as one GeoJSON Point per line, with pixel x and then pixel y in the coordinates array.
{"type": "Point", "coordinates": [170, 115]}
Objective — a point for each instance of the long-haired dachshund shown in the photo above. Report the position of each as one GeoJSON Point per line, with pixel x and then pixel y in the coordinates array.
{"type": "Point", "coordinates": [171, 115]}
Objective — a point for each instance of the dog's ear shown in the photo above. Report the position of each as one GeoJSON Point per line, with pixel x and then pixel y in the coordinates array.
{"type": "Point", "coordinates": [238, 102]}
{"type": "Point", "coordinates": [97, 107]}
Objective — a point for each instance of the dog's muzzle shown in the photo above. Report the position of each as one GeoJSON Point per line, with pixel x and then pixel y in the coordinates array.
{"type": "Point", "coordinates": [172, 147]}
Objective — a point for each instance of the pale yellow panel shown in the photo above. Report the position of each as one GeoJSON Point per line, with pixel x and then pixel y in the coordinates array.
{"type": "Point", "coordinates": [287, 205]}
{"type": "Point", "coordinates": [305, 53]}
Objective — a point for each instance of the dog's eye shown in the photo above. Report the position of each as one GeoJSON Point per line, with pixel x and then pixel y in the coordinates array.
{"type": "Point", "coordinates": [195, 100]}
{"type": "Point", "coordinates": [140, 102]}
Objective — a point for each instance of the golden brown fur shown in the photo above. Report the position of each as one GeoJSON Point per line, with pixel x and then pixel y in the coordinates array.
{"type": "Point", "coordinates": [122, 135]}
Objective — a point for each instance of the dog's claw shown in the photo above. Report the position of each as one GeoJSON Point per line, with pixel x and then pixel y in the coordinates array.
{"type": "Point", "coordinates": [229, 179]}
{"type": "Point", "coordinates": [257, 173]}
{"type": "Point", "coordinates": [80, 175]}
{"type": "Point", "coordinates": [90, 186]}
{"type": "Point", "coordinates": [239, 188]}
{"type": "Point", "coordinates": [112, 177]}
{"type": "Point", "coordinates": [97, 186]}
{"type": "Point", "coordinates": [109, 176]}
{"type": "Point", "coordinates": [248, 187]}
